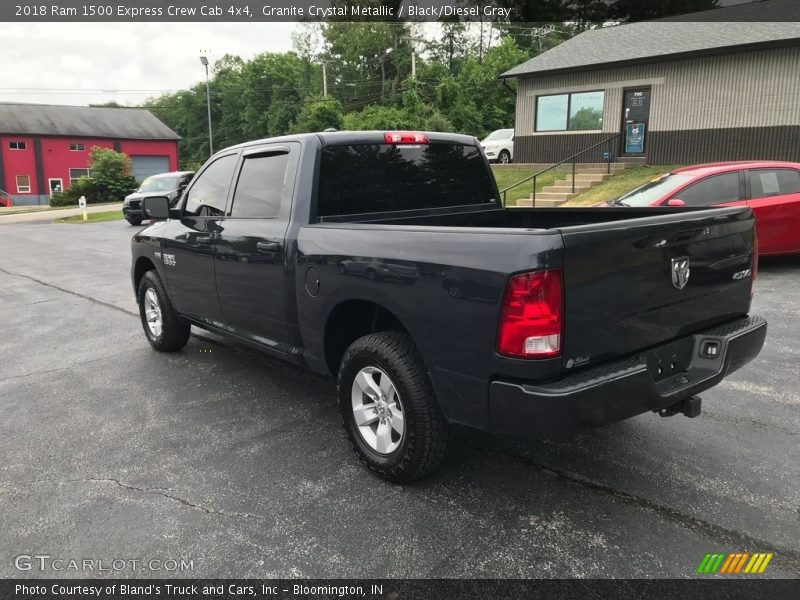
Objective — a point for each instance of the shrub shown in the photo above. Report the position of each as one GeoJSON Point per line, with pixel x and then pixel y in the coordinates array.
{"type": "Point", "coordinates": [60, 199]}
{"type": "Point", "coordinates": [109, 180]}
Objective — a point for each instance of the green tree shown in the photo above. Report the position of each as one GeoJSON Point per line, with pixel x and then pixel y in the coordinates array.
{"type": "Point", "coordinates": [586, 118]}
{"type": "Point", "coordinates": [318, 114]}
{"type": "Point", "coordinates": [109, 179]}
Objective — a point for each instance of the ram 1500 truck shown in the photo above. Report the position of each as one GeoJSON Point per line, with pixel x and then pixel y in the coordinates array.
{"type": "Point", "coordinates": [386, 260]}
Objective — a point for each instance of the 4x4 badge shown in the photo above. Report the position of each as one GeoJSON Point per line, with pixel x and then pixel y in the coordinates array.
{"type": "Point", "coordinates": [680, 272]}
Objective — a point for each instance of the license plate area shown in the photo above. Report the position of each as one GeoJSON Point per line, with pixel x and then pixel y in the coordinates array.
{"type": "Point", "coordinates": [667, 361]}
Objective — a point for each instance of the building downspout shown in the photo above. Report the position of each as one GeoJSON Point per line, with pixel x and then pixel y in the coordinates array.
{"type": "Point", "coordinates": [39, 165]}
{"type": "Point", "coordinates": [3, 182]}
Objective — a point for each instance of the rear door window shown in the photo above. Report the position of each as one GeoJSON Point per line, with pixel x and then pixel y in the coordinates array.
{"type": "Point", "coordinates": [716, 189]}
{"type": "Point", "coordinates": [371, 178]}
{"type": "Point", "coordinates": [260, 187]}
{"type": "Point", "coordinates": [765, 183]}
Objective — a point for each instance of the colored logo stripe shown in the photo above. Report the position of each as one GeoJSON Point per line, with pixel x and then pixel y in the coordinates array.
{"type": "Point", "coordinates": [734, 563]}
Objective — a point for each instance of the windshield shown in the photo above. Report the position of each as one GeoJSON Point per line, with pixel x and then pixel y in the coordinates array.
{"type": "Point", "coordinates": [159, 184]}
{"type": "Point", "coordinates": [651, 191]}
{"type": "Point", "coordinates": [370, 178]}
{"type": "Point", "coordinates": [500, 134]}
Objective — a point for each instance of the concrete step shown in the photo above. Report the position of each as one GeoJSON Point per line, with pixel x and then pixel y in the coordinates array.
{"type": "Point", "coordinates": [584, 178]}
{"type": "Point", "coordinates": [596, 170]}
{"type": "Point", "coordinates": [633, 161]}
{"type": "Point", "coordinates": [540, 203]}
{"type": "Point", "coordinates": [601, 165]}
{"type": "Point", "coordinates": [562, 196]}
{"type": "Point", "coordinates": [566, 187]}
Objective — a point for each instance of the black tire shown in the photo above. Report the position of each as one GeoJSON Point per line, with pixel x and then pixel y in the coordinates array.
{"type": "Point", "coordinates": [174, 332]}
{"type": "Point", "coordinates": [423, 446]}
{"type": "Point", "coordinates": [504, 157]}
{"type": "Point", "coordinates": [135, 221]}
{"type": "Point", "coordinates": [372, 275]}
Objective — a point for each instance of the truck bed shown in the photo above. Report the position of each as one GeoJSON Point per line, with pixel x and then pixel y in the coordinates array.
{"type": "Point", "coordinates": [617, 264]}
{"type": "Point", "coordinates": [514, 218]}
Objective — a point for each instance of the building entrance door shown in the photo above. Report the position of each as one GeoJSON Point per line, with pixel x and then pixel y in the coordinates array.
{"type": "Point", "coordinates": [635, 119]}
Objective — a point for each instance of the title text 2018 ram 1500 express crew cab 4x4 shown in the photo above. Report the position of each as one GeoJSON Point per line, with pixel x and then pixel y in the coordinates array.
{"type": "Point", "coordinates": [561, 319]}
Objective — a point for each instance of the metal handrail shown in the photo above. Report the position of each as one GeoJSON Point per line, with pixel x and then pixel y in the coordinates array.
{"type": "Point", "coordinates": [570, 158]}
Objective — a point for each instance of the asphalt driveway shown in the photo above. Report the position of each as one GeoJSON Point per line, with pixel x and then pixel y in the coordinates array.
{"type": "Point", "coordinates": [237, 462]}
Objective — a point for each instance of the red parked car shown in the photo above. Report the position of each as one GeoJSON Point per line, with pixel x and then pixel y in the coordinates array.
{"type": "Point", "coordinates": [770, 188]}
{"type": "Point", "coordinates": [5, 199]}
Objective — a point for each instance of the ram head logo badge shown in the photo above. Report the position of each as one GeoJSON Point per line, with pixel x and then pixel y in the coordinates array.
{"type": "Point", "coordinates": [680, 272]}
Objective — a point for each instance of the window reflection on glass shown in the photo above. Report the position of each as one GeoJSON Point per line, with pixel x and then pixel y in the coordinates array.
{"type": "Point", "coordinates": [551, 112]}
{"type": "Point", "coordinates": [586, 111]}
{"type": "Point", "coordinates": [580, 111]}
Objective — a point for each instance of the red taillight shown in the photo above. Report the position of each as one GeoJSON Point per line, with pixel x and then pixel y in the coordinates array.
{"type": "Point", "coordinates": [530, 316]}
{"type": "Point", "coordinates": [405, 137]}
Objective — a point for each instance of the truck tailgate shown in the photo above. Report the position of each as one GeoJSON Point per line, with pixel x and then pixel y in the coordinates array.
{"type": "Point", "coordinates": [627, 288]}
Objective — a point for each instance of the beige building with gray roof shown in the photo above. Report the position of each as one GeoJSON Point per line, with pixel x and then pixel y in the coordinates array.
{"type": "Point", "coordinates": [665, 92]}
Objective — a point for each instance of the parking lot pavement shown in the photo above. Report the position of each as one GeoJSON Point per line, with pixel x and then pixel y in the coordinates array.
{"type": "Point", "coordinates": [238, 462]}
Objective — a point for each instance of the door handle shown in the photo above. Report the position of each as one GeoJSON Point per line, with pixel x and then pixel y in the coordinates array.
{"type": "Point", "coordinates": [204, 239]}
{"type": "Point", "coordinates": [268, 247]}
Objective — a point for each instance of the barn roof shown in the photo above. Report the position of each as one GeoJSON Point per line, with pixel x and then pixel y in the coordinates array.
{"type": "Point", "coordinates": [82, 121]}
{"type": "Point", "coordinates": [666, 39]}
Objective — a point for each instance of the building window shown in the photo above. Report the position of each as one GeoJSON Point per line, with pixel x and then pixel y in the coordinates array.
{"type": "Point", "coordinates": [580, 111]}
{"type": "Point", "coordinates": [23, 184]}
{"type": "Point", "coordinates": [18, 145]}
{"type": "Point", "coordinates": [77, 147]}
{"type": "Point", "coordinates": [74, 174]}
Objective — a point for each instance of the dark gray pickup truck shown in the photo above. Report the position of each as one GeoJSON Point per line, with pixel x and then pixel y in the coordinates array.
{"type": "Point", "coordinates": [387, 261]}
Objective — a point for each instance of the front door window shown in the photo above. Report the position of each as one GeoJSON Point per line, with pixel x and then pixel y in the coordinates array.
{"type": "Point", "coordinates": [635, 119]}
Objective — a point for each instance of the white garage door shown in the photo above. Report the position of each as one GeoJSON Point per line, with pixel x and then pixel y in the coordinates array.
{"type": "Point", "coordinates": [145, 166]}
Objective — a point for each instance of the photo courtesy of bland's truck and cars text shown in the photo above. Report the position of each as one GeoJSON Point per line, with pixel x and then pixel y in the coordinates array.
{"type": "Point", "coordinates": [399, 299]}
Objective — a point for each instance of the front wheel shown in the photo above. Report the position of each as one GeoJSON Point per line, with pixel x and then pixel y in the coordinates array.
{"type": "Point", "coordinates": [505, 157]}
{"type": "Point", "coordinates": [135, 221]}
{"type": "Point", "coordinates": [388, 407]}
{"type": "Point", "coordinates": [163, 327]}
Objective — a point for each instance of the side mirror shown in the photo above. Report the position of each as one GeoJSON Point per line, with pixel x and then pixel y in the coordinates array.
{"type": "Point", "coordinates": [675, 202]}
{"type": "Point", "coordinates": [156, 207]}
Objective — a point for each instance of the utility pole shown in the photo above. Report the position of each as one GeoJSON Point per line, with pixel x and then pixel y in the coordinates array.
{"type": "Point", "coordinates": [204, 62]}
{"type": "Point", "coordinates": [411, 39]}
{"type": "Point", "coordinates": [324, 64]}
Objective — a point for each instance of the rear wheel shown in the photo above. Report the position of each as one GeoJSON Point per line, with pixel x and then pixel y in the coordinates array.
{"type": "Point", "coordinates": [388, 407]}
{"type": "Point", "coordinates": [163, 327]}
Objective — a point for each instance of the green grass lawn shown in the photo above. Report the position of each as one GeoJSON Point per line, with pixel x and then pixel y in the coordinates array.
{"type": "Point", "coordinates": [98, 217]}
{"type": "Point", "coordinates": [507, 176]}
{"type": "Point", "coordinates": [619, 184]}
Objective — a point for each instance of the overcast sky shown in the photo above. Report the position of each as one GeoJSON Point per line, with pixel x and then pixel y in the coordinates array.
{"type": "Point", "coordinates": [53, 62]}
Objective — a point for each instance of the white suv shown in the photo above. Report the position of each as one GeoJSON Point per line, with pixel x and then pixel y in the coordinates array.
{"type": "Point", "coordinates": [499, 146]}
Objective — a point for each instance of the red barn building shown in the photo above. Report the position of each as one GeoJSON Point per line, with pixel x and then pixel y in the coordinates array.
{"type": "Point", "coordinates": [43, 148]}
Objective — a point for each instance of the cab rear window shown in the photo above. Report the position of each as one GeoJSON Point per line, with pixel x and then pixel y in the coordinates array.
{"type": "Point", "coordinates": [373, 178]}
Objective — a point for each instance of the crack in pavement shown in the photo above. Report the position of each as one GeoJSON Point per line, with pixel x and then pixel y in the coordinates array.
{"type": "Point", "coordinates": [787, 558]}
{"type": "Point", "coordinates": [67, 367]}
{"type": "Point", "coordinates": [156, 491]}
{"type": "Point", "coordinates": [66, 291]}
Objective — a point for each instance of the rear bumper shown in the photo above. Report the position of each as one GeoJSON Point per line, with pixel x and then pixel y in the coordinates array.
{"type": "Point", "coordinates": [613, 392]}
